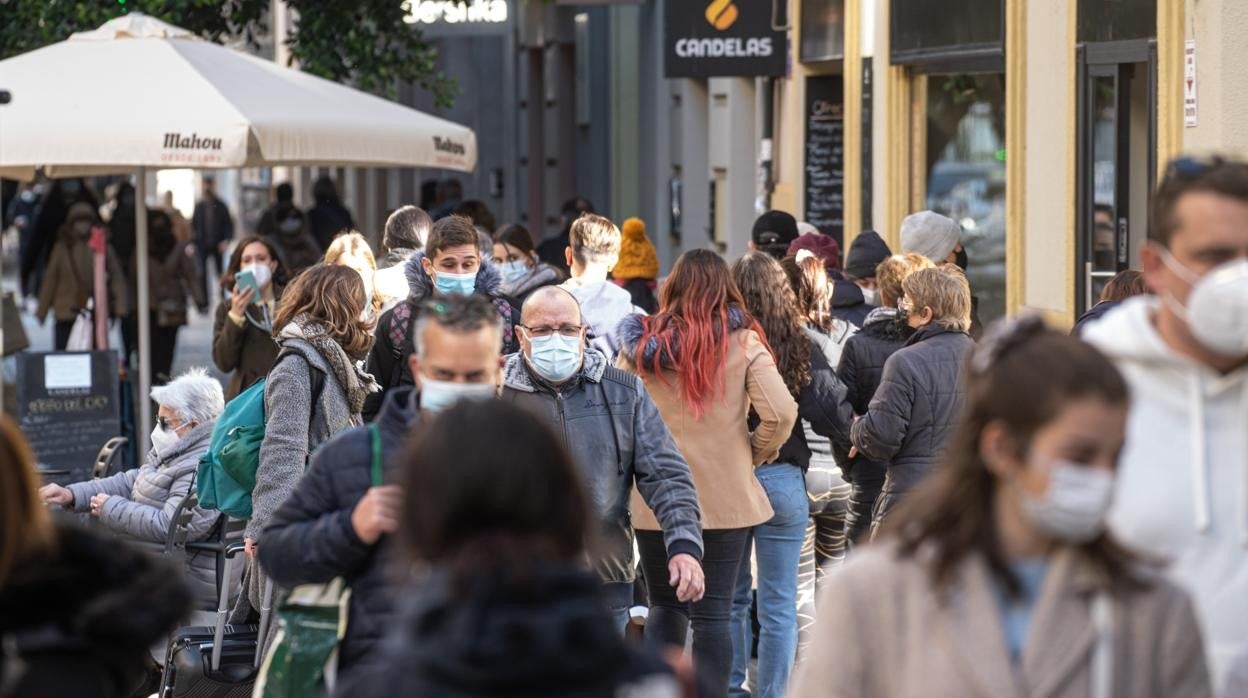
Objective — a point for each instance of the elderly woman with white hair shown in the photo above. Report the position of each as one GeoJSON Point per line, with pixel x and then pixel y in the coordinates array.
{"type": "Point", "coordinates": [140, 503]}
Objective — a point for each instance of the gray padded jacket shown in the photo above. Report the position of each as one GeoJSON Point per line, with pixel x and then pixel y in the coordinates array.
{"type": "Point", "coordinates": [144, 501]}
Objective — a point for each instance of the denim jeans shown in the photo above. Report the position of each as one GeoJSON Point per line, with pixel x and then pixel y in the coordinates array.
{"type": "Point", "coordinates": [777, 548]}
{"type": "Point", "coordinates": [669, 619]}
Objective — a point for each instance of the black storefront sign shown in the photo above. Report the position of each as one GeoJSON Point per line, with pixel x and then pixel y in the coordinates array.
{"type": "Point", "coordinates": [67, 408]}
{"type": "Point", "coordinates": [825, 156]}
{"type": "Point", "coordinates": [722, 38]}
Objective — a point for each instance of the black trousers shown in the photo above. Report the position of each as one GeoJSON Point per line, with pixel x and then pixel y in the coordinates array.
{"type": "Point", "coordinates": [60, 334]}
{"type": "Point", "coordinates": [861, 505]}
{"type": "Point", "coordinates": [203, 257]}
{"type": "Point", "coordinates": [668, 623]}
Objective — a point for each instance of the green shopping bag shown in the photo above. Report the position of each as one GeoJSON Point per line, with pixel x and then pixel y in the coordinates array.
{"type": "Point", "coordinates": [312, 621]}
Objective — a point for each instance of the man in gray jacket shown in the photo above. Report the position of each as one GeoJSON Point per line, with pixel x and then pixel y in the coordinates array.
{"type": "Point", "coordinates": [616, 436]}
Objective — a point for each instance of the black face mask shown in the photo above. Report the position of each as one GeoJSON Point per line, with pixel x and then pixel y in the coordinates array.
{"type": "Point", "coordinates": [961, 260]}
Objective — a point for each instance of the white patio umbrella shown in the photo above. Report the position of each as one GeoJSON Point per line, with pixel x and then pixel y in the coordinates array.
{"type": "Point", "coordinates": [138, 94]}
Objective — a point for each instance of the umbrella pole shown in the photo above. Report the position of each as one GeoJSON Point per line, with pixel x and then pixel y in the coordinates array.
{"type": "Point", "coordinates": [144, 316]}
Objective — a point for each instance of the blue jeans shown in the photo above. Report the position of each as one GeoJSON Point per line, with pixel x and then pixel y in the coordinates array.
{"type": "Point", "coordinates": [778, 546]}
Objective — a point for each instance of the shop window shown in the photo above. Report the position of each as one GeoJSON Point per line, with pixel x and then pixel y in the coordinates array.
{"type": "Point", "coordinates": [966, 175]}
{"type": "Point", "coordinates": [1117, 20]}
{"type": "Point", "coordinates": [823, 30]}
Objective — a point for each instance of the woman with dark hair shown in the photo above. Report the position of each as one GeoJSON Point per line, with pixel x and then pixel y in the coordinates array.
{"type": "Point", "coordinates": [778, 543]}
{"type": "Point", "coordinates": [516, 257]}
{"type": "Point", "coordinates": [506, 606]}
{"type": "Point", "coordinates": [172, 275]}
{"type": "Point", "coordinates": [706, 362]}
{"type": "Point", "coordinates": [79, 611]}
{"type": "Point", "coordinates": [998, 577]}
{"type": "Point", "coordinates": [242, 333]}
{"type": "Point", "coordinates": [315, 388]}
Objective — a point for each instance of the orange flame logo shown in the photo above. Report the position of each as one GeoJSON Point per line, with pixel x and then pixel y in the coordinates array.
{"type": "Point", "coordinates": [721, 14]}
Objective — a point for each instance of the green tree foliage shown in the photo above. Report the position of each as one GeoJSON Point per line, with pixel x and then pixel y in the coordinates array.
{"type": "Point", "coordinates": [363, 42]}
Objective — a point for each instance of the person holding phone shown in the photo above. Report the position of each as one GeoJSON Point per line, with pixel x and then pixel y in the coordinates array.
{"type": "Point", "coordinates": [242, 335]}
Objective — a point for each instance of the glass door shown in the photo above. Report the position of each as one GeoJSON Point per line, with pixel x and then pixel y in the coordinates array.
{"type": "Point", "coordinates": [1116, 156]}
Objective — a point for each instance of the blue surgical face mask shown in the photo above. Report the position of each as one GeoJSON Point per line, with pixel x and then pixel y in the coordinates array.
{"type": "Point", "coordinates": [514, 271]}
{"type": "Point", "coordinates": [555, 357]}
{"type": "Point", "coordinates": [449, 284]}
{"type": "Point", "coordinates": [436, 396]}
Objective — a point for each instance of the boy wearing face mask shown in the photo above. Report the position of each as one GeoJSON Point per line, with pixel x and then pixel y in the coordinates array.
{"type": "Point", "coordinates": [999, 578]}
{"type": "Point", "coordinates": [338, 520]}
{"type": "Point", "coordinates": [69, 280]}
{"type": "Point", "coordinates": [1182, 493]}
{"type": "Point", "coordinates": [450, 265]}
{"type": "Point", "coordinates": [614, 432]}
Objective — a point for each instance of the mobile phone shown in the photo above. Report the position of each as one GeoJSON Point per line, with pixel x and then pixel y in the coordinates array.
{"type": "Point", "coordinates": [246, 279]}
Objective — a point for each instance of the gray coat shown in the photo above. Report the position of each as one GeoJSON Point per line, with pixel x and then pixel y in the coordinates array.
{"type": "Point", "coordinates": [914, 411]}
{"type": "Point", "coordinates": [294, 427]}
{"type": "Point", "coordinates": [145, 499]}
{"type": "Point", "coordinates": [617, 437]}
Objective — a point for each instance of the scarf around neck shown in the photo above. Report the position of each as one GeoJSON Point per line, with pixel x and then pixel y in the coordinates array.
{"type": "Point", "coordinates": [355, 382]}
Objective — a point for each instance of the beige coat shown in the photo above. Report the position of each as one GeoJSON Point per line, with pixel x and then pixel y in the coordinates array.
{"type": "Point", "coordinates": [881, 631]}
{"type": "Point", "coordinates": [721, 450]}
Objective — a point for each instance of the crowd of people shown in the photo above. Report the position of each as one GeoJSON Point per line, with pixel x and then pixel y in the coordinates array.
{"type": "Point", "coordinates": [815, 471]}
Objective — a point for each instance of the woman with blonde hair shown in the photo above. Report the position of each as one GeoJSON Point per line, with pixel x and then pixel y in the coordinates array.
{"type": "Point", "coordinates": [78, 610]}
{"type": "Point", "coordinates": [912, 415]}
{"type": "Point", "coordinates": [352, 250]}
{"type": "Point", "coordinates": [315, 390]}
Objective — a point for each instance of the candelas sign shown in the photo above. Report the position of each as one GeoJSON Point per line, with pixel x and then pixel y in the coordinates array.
{"type": "Point", "coordinates": [722, 38]}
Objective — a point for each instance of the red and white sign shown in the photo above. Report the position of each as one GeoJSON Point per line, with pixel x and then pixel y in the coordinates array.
{"type": "Point", "coordinates": [1189, 83]}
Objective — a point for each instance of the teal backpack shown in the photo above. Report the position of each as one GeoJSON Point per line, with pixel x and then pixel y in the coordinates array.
{"type": "Point", "coordinates": [227, 471]}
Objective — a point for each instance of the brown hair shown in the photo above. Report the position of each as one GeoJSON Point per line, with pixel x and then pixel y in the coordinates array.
{"type": "Point", "coordinates": [812, 290]}
{"type": "Point", "coordinates": [236, 262]}
{"type": "Point", "coordinates": [890, 273]}
{"type": "Point", "coordinates": [1187, 175]}
{"type": "Point", "coordinates": [507, 508]}
{"type": "Point", "coordinates": [594, 240]}
{"type": "Point", "coordinates": [25, 526]}
{"type": "Point", "coordinates": [1125, 284]}
{"type": "Point", "coordinates": [770, 300]}
{"type": "Point", "coordinates": [517, 236]}
{"type": "Point", "coordinates": [350, 244]}
{"type": "Point", "coordinates": [945, 290]}
{"type": "Point", "coordinates": [452, 231]}
{"type": "Point", "coordinates": [1022, 375]}
{"type": "Point", "coordinates": [334, 296]}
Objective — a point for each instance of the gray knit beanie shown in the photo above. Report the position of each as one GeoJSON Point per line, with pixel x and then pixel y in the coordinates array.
{"type": "Point", "coordinates": [930, 234]}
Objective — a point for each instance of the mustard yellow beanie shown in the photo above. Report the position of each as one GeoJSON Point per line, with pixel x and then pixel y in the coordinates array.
{"type": "Point", "coordinates": [638, 259]}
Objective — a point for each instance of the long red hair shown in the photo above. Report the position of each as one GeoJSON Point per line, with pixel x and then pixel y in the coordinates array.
{"type": "Point", "coordinates": [691, 328]}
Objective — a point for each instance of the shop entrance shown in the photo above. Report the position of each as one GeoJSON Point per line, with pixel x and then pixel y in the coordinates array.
{"type": "Point", "coordinates": [1117, 160]}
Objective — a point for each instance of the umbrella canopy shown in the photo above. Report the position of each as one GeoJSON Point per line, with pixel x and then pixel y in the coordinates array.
{"type": "Point", "coordinates": [178, 101]}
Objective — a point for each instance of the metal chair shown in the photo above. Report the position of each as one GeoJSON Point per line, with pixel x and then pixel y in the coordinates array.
{"type": "Point", "coordinates": [109, 457]}
{"type": "Point", "coordinates": [224, 533]}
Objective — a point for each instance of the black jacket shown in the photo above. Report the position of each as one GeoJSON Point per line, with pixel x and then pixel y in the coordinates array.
{"type": "Point", "coordinates": [310, 538]}
{"type": "Point", "coordinates": [614, 432]}
{"type": "Point", "coordinates": [327, 219]}
{"type": "Point", "coordinates": [823, 407]}
{"type": "Point", "coordinates": [83, 619]}
{"type": "Point", "coordinates": [1093, 314]}
{"type": "Point", "coordinates": [207, 236]}
{"type": "Point", "coordinates": [387, 360]}
{"type": "Point", "coordinates": [915, 409]}
{"type": "Point", "coordinates": [496, 633]}
{"type": "Point", "coordinates": [848, 303]}
{"type": "Point", "coordinates": [861, 366]}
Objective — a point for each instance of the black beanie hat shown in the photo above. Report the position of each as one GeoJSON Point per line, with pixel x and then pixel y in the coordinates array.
{"type": "Point", "coordinates": [773, 231]}
{"type": "Point", "coordinates": [865, 254]}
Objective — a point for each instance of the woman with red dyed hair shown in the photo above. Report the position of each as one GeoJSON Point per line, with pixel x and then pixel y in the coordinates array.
{"type": "Point", "coordinates": [707, 365]}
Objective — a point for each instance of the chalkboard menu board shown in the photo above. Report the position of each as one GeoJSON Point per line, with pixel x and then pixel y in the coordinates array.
{"type": "Point", "coordinates": [825, 156]}
{"type": "Point", "coordinates": [67, 406]}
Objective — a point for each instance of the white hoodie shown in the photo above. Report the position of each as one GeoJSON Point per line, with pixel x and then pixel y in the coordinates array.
{"type": "Point", "coordinates": [1182, 487]}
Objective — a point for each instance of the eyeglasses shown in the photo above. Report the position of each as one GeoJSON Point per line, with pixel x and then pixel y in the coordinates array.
{"type": "Point", "coordinates": [165, 426]}
{"type": "Point", "coordinates": [565, 330]}
{"type": "Point", "coordinates": [905, 305]}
